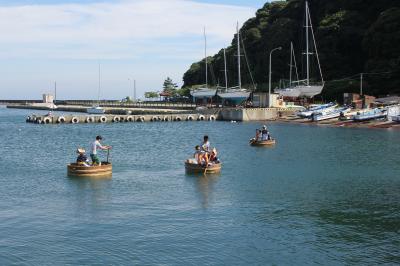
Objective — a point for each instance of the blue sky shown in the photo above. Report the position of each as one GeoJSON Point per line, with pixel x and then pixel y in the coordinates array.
{"type": "Point", "coordinates": [57, 40]}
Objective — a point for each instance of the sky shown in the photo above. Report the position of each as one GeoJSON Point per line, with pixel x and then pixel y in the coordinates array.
{"type": "Point", "coordinates": [65, 41]}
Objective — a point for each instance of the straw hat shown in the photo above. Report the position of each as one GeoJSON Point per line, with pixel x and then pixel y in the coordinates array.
{"type": "Point", "coordinates": [80, 150]}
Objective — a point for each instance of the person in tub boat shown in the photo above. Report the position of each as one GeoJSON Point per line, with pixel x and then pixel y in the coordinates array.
{"type": "Point", "coordinates": [82, 159]}
{"type": "Point", "coordinates": [213, 156]}
{"type": "Point", "coordinates": [94, 146]}
{"type": "Point", "coordinates": [265, 133]}
{"type": "Point", "coordinates": [205, 149]}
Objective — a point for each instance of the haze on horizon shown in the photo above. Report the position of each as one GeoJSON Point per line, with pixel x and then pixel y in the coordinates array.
{"type": "Point", "coordinates": [147, 40]}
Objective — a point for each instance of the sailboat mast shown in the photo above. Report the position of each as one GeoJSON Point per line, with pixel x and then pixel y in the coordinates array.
{"type": "Point", "coordinates": [291, 64]}
{"type": "Point", "coordinates": [226, 73]}
{"type": "Point", "coordinates": [98, 92]}
{"type": "Point", "coordinates": [205, 55]}
{"type": "Point", "coordinates": [307, 46]}
{"type": "Point", "coordinates": [238, 54]}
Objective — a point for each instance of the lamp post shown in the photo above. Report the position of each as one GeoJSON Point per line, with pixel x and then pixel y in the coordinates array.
{"type": "Point", "coordinates": [270, 74]}
{"type": "Point", "coordinates": [134, 87]}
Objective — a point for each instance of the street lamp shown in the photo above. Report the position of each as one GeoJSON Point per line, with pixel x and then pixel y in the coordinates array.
{"type": "Point", "coordinates": [270, 74]}
{"type": "Point", "coordinates": [134, 88]}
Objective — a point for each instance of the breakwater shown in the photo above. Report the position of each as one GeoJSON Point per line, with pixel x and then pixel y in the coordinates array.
{"type": "Point", "coordinates": [76, 119]}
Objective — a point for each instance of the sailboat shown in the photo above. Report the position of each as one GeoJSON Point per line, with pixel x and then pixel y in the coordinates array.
{"type": "Point", "coordinates": [304, 88]}
{"type": "Point", "coordinates": [291, 91]}
{"type": "Point", "coordinates": [236, 95]}
{"type": "Point", "coordinates": [96, 109]}
{"type": "Point", "coordinates": [204, 92]}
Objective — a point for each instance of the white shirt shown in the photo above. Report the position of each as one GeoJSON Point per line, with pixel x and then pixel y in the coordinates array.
{"type": "Point", "coordinates": [96, 144]}
{"type": "Point", "coordinates": [205, 146]}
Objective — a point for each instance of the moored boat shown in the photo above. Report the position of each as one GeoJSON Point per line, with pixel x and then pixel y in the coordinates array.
{"type": "Point", "coordinates": [192, 167]}
{"type": "Point", "coordinates": [262, 143]}
{"type": "Point", "coordinates": [95, 110]}
{"type": "Point", "coordinates": [370, 115]}
{"type": "Point", "coordinates": [103, 170]}
{"type": "Point", "coordinates": [335, 113]}
{"type": "Point", "coordinates": [320, 108]}
{"type": "Point", "coordinates": [396, 118]}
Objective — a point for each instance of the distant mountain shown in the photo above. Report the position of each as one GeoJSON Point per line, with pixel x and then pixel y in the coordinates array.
{"type": "Point", "coordinates": [352, 36]}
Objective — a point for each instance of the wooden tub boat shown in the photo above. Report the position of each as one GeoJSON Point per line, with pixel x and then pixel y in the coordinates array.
{"type": "Point", "coordinates": [103, 170]}
{"type": "Point", "coordinates": [196, 168]}
{"type": "Point", "coordinates": [262, 143]}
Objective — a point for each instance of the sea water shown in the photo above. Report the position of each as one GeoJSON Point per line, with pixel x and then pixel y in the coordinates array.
{"type": "Point", "coordinates": [321, 196]}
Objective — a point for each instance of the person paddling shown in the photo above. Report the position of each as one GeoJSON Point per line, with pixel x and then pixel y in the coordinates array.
{"type": "Point", "coordinates": [94, 146]}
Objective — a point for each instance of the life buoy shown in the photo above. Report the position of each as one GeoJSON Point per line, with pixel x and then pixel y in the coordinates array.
{"type": "Point", "coordinates": [201, 118]}
{"type": "Point", "coordinates": [129, 119]}
{"type": "Point", "coordinates": [140, 119]}
{"type": "Point", "coordinates": [116, 119]}
{"type": "Point", "coordinates": [178, 118]}
{"type": "Point", "coordinates": [212, 118]}
{"type": "Point", "coordinates": [103, 119]}
{"type": "Point", "coordinates": [75, 120]}
{"type": "Point", "coordinates": [154, 118]}
{"type": "Point", "coordinates": [190, 118]}
{"type": "Point", "coordinates": [47, 120]}
{"type": "Point", "coordinates": [61, 120]}
{"type": "Point", "coordinates": [89, 119]}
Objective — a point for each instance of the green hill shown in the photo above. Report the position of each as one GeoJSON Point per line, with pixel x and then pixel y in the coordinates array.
{"type": "Point", "coordinates": [353, 36]}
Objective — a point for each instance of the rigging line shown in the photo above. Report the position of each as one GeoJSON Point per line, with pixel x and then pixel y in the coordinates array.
{"type": "Point", "coordinates": [315, 45]}
{"type": "Point", "coordinates": [248, 66]}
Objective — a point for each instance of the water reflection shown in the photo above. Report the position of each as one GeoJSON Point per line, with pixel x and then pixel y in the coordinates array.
{"type": "Point", "coordinates": [90, 193]}
{"type": "Point", "coordinates": [204, 184]}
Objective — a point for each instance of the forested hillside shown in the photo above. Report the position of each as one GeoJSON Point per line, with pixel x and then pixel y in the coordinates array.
{"type": "Point", "coordinates": [353, 36]}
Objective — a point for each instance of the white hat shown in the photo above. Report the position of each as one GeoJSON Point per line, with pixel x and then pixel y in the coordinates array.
{"type": "Point", "coordinates": [80, 150]}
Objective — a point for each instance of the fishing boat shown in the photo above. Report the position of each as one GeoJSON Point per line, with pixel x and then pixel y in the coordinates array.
{"type": "Point", "coordinates": [335, 113]}
{"type": "Point", "coordinates": [96, 109]}
{"type": "Point", "coordinates": [396, 118]}
{"type": "Point", "coordinates": [305, 88]}
{"type": "Point", "coordinates": [193, 167]}
{"type": "Point", "coordinates": [371, 114]}
{"type": "Point", "coordinates": [262, 143]}
{"type": "Point", "coordinates": [103, 170]}
{"type": "Point", "coordinates": [317, 108]}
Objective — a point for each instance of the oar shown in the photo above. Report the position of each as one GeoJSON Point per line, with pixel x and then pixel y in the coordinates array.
{"type": "Point", "coordinates": [108, 154]}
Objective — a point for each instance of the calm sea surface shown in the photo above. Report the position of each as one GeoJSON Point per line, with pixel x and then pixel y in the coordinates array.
{"type": "Point", "coordinates": [326, 196]}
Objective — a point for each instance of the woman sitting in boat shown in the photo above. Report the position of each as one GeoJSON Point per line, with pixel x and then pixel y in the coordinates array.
{"type": "Point", "coordinates": [82, 159]}
{"type": "Point", "coordinates": [265, 133]}
{"type": "Point", "coordinates": [258, 135]}
{"type": "Point", "coordinates": [213, 156]}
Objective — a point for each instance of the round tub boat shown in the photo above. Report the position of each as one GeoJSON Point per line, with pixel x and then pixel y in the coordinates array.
{"type": "Point", "coordinates": [196, 168]}
{"type": "Point", "coordinates": [103, 170]}
{"type": "Point", "coordinates": [262, 143]}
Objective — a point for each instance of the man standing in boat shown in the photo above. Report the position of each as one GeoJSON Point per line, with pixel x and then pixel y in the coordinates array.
{"type": "Point", "coordinates": [94, 146]}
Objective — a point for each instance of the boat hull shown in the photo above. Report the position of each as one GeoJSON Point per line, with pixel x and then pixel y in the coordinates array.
{"type": "Point", "coordinates": [103, 170]}
{"type": "Point", "coordinates": [196, 168]}
{"type": "Point", "coordinates": [95, 110]}
{"type": "Point", "coordinates": [309, 91]}
{"type": "Point", "coordinates": [263, 143]}
{"type": "Point", "coordinates": [289, 92]}
{"type": "Point", "coordinates": [331, 115]}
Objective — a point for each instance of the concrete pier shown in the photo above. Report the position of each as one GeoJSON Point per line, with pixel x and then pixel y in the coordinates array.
{"type": "Point", "coordinates": [77, 119]}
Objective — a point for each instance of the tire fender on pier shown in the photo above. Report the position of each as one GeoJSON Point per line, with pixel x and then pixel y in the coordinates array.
{"type": "Point", "coordinates": [212, 118]}
{"type": "Point", "coordinates": [61, 120]}
{"type": "Point", "coordinates": [154, 119]}
{"type": "Point", "coordinates": [140, 119]}
{"type": "Point", "coordinates": [116, 119]}
{"type": "Point", "coordinates": [129, 119]}
{"type": "Point", "coordinates": [165, 118]}
{"type": "Point", "coordinates": [201, 118]}
{"type": "Point", "coordinates": [190, 118]}
{"type": "Point", "coordinates": [75, 120]}
{"type": "Point", "coordinates": [103, 119]}
{"type": "Point", "coordinates": [177, 118]}
{"type": "Point", "coordinates": [47, 120]}
{"type": "Point", "coordinates": [89, 119]}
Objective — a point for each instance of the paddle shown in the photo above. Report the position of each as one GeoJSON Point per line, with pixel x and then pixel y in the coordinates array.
{"type": "Point", "coordinates": [108, 154]}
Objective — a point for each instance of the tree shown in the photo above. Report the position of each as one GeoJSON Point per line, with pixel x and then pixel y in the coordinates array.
{"type": "Point", "coordinates": [169, 87]}
{"type": "Point", "coordinates": [151, 94]}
